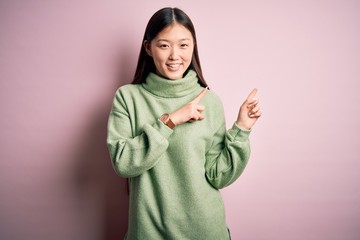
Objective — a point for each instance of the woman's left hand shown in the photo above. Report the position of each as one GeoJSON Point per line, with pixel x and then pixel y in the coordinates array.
{"type": "Point", "coordinates": [249, 112]}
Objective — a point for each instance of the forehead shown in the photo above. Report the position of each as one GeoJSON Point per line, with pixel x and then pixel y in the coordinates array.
{"type": "Point", "coordinates": [174, 32]}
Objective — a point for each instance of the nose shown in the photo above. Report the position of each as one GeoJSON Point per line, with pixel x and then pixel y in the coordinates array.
{"type": "Point", "coordinates": [174, 54]}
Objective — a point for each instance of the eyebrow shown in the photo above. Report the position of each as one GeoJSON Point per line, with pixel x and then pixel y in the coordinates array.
{"type": "Point", "coordinates": [165, 40]}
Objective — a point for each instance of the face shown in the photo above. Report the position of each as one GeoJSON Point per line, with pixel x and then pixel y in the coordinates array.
{"type": "Point", "coordinates": [172, 51]}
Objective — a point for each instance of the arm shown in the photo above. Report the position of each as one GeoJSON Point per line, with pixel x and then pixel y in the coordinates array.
{"type": "Point", "coordinates": [230, 150]}
{"type": "Point", "coordinates": [133, 155]}
{"type": "Point", "coordinates": [228, 156]}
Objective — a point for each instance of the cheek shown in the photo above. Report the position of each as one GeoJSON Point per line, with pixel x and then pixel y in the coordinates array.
{"type": "Point", "coordinates": [159, 56]}
{"type": "Point", "coordinates": [190, 54]}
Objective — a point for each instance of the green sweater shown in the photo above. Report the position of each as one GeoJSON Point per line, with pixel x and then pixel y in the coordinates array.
{"type": "Point", "coordinates": [174, 174]}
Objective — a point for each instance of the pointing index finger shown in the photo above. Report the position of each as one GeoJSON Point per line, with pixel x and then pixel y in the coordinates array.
{"type": "Point", "coordinates": [252, 94]}
{"type": "Point", "coordinates": [200, 96]}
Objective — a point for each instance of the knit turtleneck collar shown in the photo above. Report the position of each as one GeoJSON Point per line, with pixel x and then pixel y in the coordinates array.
{"type": "Point", "coordinates": [163, 87]}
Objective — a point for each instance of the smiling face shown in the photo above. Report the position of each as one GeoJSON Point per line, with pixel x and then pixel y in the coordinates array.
{"type": "Point", "coordinates": [172, 51]}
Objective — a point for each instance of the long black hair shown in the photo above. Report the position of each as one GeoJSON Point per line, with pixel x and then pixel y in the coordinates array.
{"type": "Point", "coordinates": [160, 20]}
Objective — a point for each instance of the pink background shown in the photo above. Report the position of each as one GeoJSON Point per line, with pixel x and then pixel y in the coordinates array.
{"type": "Point", "coordinates": [61, 62]}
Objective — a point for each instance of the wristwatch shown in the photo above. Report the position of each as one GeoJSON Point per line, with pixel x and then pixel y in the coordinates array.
{"type": "Point", "coordinates": [166, 119]}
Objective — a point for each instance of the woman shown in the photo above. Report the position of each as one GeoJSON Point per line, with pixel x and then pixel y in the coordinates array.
{"type": "Point", "coordinates": [167, 135]}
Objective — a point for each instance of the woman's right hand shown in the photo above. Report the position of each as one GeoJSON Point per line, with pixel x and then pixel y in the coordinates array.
{"type": "Point", "coordinates": [190, 112]}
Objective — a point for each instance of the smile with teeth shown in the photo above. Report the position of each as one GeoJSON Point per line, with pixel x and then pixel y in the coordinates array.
{"type": "Point", "coordinates": [173, 65]}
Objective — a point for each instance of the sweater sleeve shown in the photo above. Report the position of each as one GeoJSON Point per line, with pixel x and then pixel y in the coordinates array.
{"type": "Point", "coordinates": [228, 156]}
{"type": "Point", "coordinates": [133, 155]}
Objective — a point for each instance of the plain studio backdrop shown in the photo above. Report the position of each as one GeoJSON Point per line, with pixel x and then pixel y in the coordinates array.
{"type": "Point", "coordinates": [62, 61]}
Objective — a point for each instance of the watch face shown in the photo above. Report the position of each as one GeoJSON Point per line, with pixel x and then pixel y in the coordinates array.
{"type": "Point", "coordinates": [164, 117]}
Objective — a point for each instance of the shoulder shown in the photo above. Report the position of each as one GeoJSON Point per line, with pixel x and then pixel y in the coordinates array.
{"type": "Point", "coordinates": [127, 91]}
{"type": "Point", "coordinates": [125, 95]}
{"type": "Point", "coordinates": [213, 95]}
{"type": "Point", "coordinates": [214, 110]}
{"type": "Point", "coordinates": [213, 100]}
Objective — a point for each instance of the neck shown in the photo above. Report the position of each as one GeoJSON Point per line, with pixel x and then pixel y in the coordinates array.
{"type": "Point", "coordinates": [164, 87]}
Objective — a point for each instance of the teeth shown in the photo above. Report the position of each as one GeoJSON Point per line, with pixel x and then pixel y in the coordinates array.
{"type": "Point", "coordinates": [173, 65]}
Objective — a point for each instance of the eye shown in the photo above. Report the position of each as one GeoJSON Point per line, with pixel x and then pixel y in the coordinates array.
{"type": "Point", "coordinates": [164, 46]}
{"type": "Point", "coordinates": [184, 45]}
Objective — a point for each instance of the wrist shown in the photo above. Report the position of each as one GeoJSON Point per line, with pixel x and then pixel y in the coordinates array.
{"type": "Point", "coordinates": [174, 119]}
{"type": "Point", "coordinates": [242, 126]}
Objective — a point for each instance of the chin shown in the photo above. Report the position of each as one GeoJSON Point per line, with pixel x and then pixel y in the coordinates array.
{"type": "Point", "coordinates": [175, 75]}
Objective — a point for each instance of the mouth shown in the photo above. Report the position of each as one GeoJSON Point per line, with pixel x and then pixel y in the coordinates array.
{"type": "Point", "coordinates": [173, 66]}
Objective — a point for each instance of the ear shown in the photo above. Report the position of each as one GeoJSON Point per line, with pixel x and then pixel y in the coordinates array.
{"type": "Point", "coordinates": [147, 47]}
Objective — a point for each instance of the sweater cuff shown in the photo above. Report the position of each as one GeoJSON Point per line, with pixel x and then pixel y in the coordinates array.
{"type": "Point", "coordinates": [238, 134]}
{"type": "Point", "coordinates": [163, 129]}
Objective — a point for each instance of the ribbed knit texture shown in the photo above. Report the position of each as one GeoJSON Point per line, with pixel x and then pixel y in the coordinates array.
{"type": "Point", "coordinates": [174, 174]}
